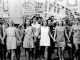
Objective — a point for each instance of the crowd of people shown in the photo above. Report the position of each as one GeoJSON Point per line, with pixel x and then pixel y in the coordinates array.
{"type": "Point", "coordinates": [41, 38]}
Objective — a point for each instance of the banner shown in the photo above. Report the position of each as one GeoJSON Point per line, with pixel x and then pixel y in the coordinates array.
{"type": "Point", "coordinates": [39, 7]}
{"type": "Point", "coordinates": [29, 9]}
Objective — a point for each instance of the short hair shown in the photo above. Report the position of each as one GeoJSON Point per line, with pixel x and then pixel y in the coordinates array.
{"type": "Point", "coordinates": [50, 18]}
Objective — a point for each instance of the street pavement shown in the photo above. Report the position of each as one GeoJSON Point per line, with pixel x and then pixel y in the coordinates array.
{"type": "Point", "coordinates": [54, 57]}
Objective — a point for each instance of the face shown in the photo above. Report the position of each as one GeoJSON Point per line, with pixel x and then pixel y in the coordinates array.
{"type": "Point", "coordinates": [64, 22]}
{"type": "Point", "coordinates": [76, 21]}
{"type": "Point", "coordinates": [27, 22]}
{"type": "Point", "coordinates": [39, 20]}
{"type": "Point", "coordinates": [34, 20]}
{"type": "Point", "coordinates": [52, 17]}
{"type": "Point", "coordinates": [44, 23]}
{"type": "Point", "coordinates": [60, 23]}
{"type": "Point", "coordinates": [49, 22]}
{"type": "Point", "coordinates": [10, 23]}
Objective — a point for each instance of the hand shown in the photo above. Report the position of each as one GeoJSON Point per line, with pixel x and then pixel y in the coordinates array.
{"type": "Point", "coordinates": [68, 40]}
{"type": "Point", "coordinates": [34, 41]}
{"type": "Point", "coordinates": [54, 39]}
{"type": "Point", "coordinates": [39, 37]}
{"type": "Point", "coordinates": [18, 44]}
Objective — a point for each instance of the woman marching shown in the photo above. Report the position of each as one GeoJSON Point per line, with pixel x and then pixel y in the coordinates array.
{"type": "Point", "coordinates": [45, 39]}
{"type": "Point", "coordinates": [59, 36]}
{"type": "Point", "coordinates": [11, 34]}
{"type": "Point", "coordinates": [75, 29]}
{"type": "Point", "coordinates": [28, 42]}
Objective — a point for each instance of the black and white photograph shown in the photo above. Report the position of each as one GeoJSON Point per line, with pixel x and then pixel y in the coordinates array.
{"type": "Point", "coordinates": [39, 29]}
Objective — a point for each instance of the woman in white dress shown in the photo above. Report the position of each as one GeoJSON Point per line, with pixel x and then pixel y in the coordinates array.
{"type": "Point", "coordinates": [11, 34]}
{"type": "Point", "coordinates": [45, 38]}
